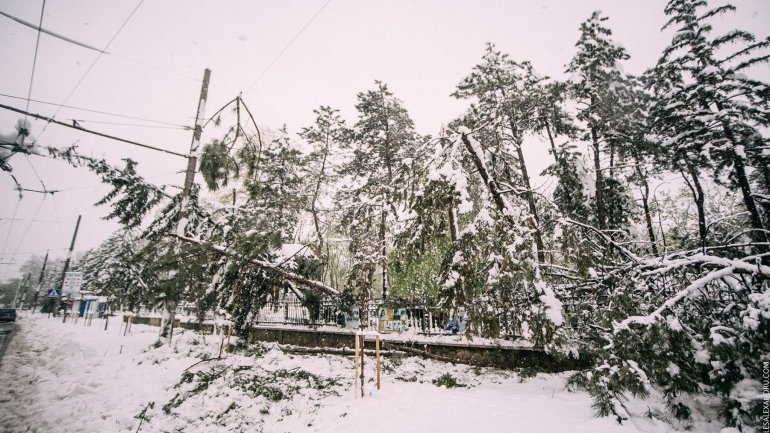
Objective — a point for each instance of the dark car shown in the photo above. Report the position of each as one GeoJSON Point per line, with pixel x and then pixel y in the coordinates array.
{"type": "Point", "coordinates": [7, 314]}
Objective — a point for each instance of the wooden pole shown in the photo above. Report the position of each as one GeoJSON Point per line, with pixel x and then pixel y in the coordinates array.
{"type": "Point", "coordinates": [355, 371]}
{"type": "Point", "coordinates": [229, 333]}
{"type": "Point", "coordinates": [377, 351]}
{"type": "Point", "coordinates": [363, 340]}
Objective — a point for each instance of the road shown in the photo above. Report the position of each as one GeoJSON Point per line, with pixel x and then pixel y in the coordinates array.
{"type": "Point", "coordinates": [6, 332]}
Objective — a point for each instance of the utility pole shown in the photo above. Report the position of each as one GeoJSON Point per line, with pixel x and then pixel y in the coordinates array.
{"type": "Point", "coordinates": [167, 322]}
{"type": "Point", "coordinates": [192, 158]}
{"type": "Point", "coordinates": [66, 268]}
{"type": "Point", "coordinates": [25, 285]}
{"type": "Point", "coordinates": [23, 280]}
{"type": "Point", "coordinates": [39, 283]}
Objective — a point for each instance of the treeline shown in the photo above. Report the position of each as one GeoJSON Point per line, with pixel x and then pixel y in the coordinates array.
{"type": "Point", "coordinates": [650, 256]}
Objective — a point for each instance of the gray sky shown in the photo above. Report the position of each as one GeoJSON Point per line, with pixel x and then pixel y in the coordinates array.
{"type": "Point", "coordinates": [420, 48]}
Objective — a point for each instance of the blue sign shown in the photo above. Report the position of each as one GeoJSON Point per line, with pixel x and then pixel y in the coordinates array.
{"type": "Point", "coordinates": [53, 293]}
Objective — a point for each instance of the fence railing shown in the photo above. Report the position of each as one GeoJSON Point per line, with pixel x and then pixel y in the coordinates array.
{"type": "Point", "coordinates": [421, 320]}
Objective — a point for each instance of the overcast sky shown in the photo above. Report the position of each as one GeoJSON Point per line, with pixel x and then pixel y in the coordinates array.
{"type": "Point", "coordinates": [420, 48]}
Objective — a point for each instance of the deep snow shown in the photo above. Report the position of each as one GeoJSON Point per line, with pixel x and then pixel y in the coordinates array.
{"type": "Point", "coordinates": [73, 378]}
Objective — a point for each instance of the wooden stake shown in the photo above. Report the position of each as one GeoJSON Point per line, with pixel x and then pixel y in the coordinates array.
{"type": "Point", "coordinates": [363, 340]}
{"type": "Point", "coordinates": [377, 351]}
{"type": "Point", "coordinates": [355, 371]}
{"type": "Point", "coordinates": [229, 333]}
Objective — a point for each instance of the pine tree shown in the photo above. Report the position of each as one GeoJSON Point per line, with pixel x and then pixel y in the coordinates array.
{"type": "Point", "coordinates": [508, 98]}
{"type": "Point", "coordinates": [711, 113]}
{"type": "Point", "coordinates": [376, 179]}
{"type": "Point", "coordinates": [596, 74]}
{"type": "Point", "coordinates": [326, 137]}
{"type": "Point", "coordinates": [112, 270]}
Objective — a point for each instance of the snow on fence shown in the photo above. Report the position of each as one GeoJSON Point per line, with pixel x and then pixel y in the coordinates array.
{"type": "Point", "coordinates": [419, 319]}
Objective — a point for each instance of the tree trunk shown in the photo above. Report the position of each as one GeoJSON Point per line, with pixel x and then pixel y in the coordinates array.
{"type": "Point", "coordinates": [700, 202]}
{"type": "Point", "coordinates": [758, 234]}
{"type": "Point", "coordinates": [384, 257]}
{"type": "Point", "coordinates": [167, 322]}
{"type": "Point", "coordinates": [491, 184]}
{"type": "Point", "coordinates": [531, 202]}
{"type": "Point", "coordinates": [454, 236]}
{"type": "Point", "coordinates": [648, 216]}
{"type": "Point", "coordinates": [601, 217]}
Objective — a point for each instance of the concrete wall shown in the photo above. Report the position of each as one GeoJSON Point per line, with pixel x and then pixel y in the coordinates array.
{"type": "Point", "coordinates": [500, 357]}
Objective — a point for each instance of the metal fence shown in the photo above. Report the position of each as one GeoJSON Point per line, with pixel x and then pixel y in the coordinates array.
{"type": "Point", "coordinates": [419, 319]}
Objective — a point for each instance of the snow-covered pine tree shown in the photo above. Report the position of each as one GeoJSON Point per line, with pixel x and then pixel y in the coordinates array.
{"type": "Point", "coordinates": [506, 95]}
{"type": "Point", "coordinates": [711, 113]}
{"type": "Point", "coordinates": [376, 182]}
{"type": "Point", "coordinates": [326, 137]}
{"type": "Point", "coordinates": [112, 270]}
{"type": "Point", "coordinates": [270, 177]}
{"type": "Point", "coordinates": [596, 73]}
{"type": "Point", "coordinates": [636, 149]}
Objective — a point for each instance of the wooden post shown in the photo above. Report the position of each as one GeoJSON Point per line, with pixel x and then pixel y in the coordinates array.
{"type": "Point", "coordinates": [229, 333]}
{"type": "Point", "coordinates": [106, 322]}
{"type": "Point", "coordinates": [355, 370]}
{"type": "Point", "coordinates": [363, 340]}
{"type": "Point", "coordinates": [377, 350]}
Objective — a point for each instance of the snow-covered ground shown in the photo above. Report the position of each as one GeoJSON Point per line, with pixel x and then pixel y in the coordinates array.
{"type": "Point", "coordinates": [70, 378]}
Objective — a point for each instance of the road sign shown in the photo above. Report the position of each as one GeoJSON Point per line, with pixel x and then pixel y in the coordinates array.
{"type": "Point", "coordinates": [53, 293]}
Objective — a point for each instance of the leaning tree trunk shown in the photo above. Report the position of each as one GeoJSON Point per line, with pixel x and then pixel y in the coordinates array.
{"type": "Point", "coordinates": [648, 216]}
{"type": "Point", "coordinates": [530, 197]}
{"type": "Point", "coordinates": [700, 201]}
{"type": "Point", "coordinates": [758, 234]}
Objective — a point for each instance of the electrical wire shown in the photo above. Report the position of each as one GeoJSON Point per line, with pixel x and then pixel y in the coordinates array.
{"type": "Point", "coordinates": [29, 226]}
{"type": "Point", "coordinates": [10, 259]}
{"type": "Point", "coordinates": [96, 60]}
{"type": "Point", "coordinates": [101, 134]}
{"type": "Point", "coordinates": [10, 228]}
{"type": "Point", "coordinates": [286, 47]}
{"type": "Point", "coordinates": [97, 111]}
{"type": "Point", "coordinates": [48, 32]}
{"type": "Point", "coordinates": [34, 170]}
{"type": "Point", "coordinates": [135, 125]}
{"type": "Point", "coordinates": [34, 59]}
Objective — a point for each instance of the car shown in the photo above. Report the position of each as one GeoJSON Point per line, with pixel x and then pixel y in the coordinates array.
{"type": "Point", "coordinates": [7, 314]}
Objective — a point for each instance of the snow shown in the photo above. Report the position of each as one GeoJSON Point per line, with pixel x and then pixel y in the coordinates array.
{"type": "Point", "coordinates": [72, 378]}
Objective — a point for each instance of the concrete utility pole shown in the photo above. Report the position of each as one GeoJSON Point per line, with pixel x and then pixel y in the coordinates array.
{"type": "Point", "coordinates": [39, 283]}
{"type": "Point", "coordinates": [25, 287]}
{"type": "Point", "coordinates": [66, 268]}
{"type": "Point", "coordinates": [167, 322]}
{"type": "Point", "coordinates": [16, 297]}
{"type": "Point", "coordinates": [192, 158]}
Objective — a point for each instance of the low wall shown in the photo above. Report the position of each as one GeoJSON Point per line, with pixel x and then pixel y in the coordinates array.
{"type": "Point", "coordinates": [466, 353]}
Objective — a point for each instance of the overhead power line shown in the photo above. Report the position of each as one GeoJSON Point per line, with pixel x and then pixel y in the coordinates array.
{"type": "Point", "coordinates": [98, 111]}
{"type": "Point", "coordinates": [272, 62]}
{"type": "Point", "coordinates": [34, 59]}
{"type": "Point", "coordinates": [48, 32]}
{"type": "Point", "coordinates": [99, 56]}
{"type": "Point", "coordinates": [112, 137]}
